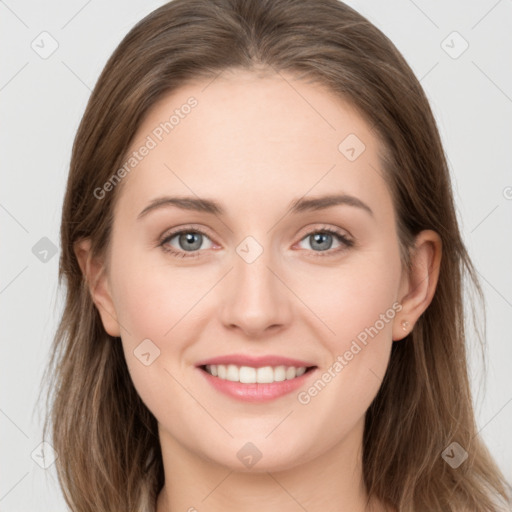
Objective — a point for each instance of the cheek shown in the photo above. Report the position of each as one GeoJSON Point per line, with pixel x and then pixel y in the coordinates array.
{"type": "Point", "coordinates": [155, 306]}
{"type": "Point", "coordinates": [359, 304]}
{"type": "Point", "coordinates": [354, 296]}
{"type": "Point", "coordinates": [151, 299]}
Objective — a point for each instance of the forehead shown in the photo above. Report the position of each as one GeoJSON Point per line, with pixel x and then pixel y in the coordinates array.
{"type": "Point", "coordinates": [245, 136]}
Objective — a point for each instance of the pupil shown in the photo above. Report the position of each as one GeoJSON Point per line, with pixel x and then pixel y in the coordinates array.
{"type": "Point", "coordinates": [188, 239]}
{"type": "Point", "coordinates": [319, 238]}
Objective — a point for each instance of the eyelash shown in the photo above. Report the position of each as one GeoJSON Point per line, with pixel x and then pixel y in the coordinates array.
{"type": "Point", "coordinates": [192, 254]}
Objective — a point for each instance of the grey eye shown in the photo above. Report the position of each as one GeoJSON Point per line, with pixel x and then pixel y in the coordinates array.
{"type": "Point", "coordinates": [190, 241]}
{"type": "Point", "coordinates": [322, 240]}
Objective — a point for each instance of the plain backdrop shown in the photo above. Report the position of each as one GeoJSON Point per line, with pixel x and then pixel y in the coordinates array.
{"type": "Point", "coordinates": [461, 52]}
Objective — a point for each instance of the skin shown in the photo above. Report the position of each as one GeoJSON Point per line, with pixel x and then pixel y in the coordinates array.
{"type": "Point", "coordinates": [254, 143]}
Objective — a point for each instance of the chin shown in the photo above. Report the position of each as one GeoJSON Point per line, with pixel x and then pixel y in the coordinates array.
{"type": "Point", "coordinates": [254, 457]}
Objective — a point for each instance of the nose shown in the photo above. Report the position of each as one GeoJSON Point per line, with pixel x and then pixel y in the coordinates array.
{"type": "Point", "coordinates": [255, 299]}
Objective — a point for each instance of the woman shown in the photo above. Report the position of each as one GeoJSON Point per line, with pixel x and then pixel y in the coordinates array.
{"type": "Point", "coordinates": [264, 276]}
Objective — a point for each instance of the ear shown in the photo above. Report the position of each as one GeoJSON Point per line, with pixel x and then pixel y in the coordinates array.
{"type": "Point", "coordinates": [96, 277]}
{"type": "Point", "coordinates": [418, 284]}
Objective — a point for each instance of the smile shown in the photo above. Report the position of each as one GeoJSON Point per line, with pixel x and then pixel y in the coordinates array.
{"type": "Point", "coordinates": [256, 383]}
{"type": "Point", "coordinates": [251, 375]}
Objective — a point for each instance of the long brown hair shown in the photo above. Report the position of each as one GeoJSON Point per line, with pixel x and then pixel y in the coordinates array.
{"type": "Point", "coordinates": [110, 456]}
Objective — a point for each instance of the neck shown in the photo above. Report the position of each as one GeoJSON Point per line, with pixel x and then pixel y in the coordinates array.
{"type": "Point", "coordinates": [330, 482]}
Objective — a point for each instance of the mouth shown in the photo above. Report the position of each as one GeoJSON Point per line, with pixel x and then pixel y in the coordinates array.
{"type": "Point", "coordinates": [255, 375]}
{"type": "Point", "coordinates": [255, 379]}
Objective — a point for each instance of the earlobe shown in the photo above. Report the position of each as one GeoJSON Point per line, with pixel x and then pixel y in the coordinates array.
{"type": "Point", "coordinates": [96, 277]}
{"type": "Point", "coordinates": [420, 283]}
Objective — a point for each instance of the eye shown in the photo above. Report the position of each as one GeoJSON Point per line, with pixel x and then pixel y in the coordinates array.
{"type": "Point", "coordinates": [321, 241]}
{"type": "Point", "coordinates": [187, 244]}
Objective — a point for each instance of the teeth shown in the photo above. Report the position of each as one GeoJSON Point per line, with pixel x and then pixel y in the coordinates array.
{"type": "Point", "coordinates": [221, 371]}
{"type": "Point", "coordinates": [249, 375]}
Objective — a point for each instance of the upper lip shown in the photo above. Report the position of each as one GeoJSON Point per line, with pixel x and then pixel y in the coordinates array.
{"type": "Point", "coordinates": [255, 361]}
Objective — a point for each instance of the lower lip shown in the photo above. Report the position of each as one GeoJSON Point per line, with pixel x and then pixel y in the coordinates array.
{"type": "Point", "coordinates": [256, 392]}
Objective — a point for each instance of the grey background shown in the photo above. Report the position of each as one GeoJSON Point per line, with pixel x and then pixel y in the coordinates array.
{"type": "Point", "coordinates": [42, 101]}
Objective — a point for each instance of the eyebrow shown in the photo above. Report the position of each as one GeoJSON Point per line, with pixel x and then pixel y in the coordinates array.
{"type": "Point", "coordinates": [213, 207]}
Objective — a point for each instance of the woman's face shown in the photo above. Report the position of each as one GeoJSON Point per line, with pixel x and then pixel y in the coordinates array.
{"type": "Point", "coordinates": [265, 274]}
